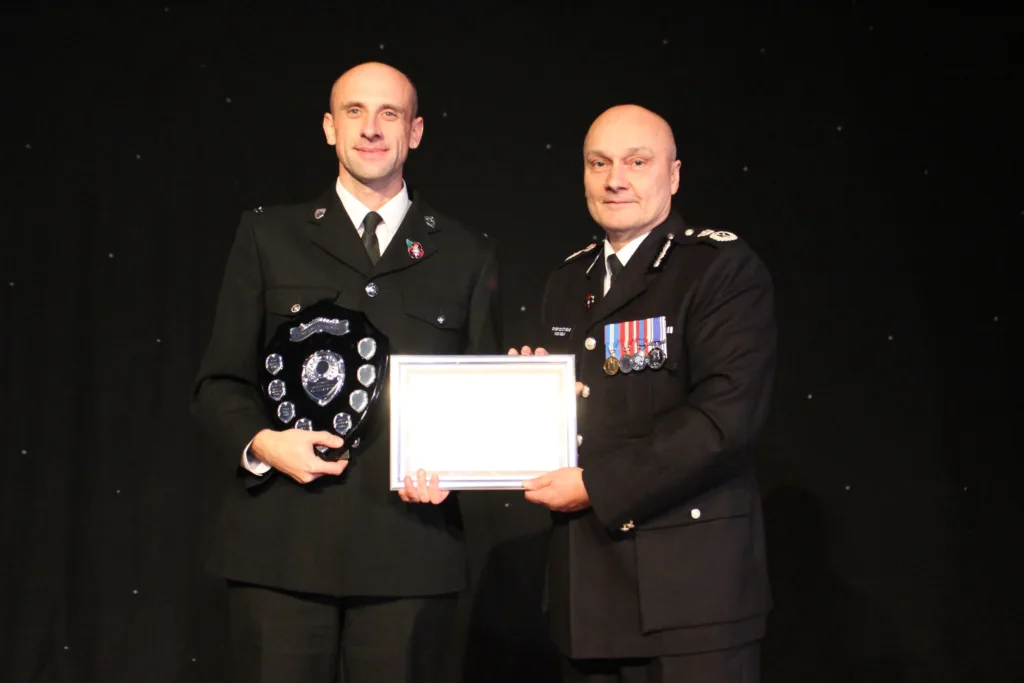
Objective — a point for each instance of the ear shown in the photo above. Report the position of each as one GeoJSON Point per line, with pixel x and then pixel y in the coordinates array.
{"type": "Point", "coordinates": [674, 173]}
{"type": "Point", "coordinates": [329, 130]}
{"type": "Point", "coordinates": [417, 132]}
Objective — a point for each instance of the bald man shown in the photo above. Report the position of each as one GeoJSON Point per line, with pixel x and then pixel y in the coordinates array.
{"type": "Point", "coordinates": [331, 575]}
{"type": "Point", "coordinates": [657, 562]}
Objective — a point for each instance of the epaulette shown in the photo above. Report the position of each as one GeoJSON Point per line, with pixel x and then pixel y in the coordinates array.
{"type": "Point", "coordinates": [718, 235]}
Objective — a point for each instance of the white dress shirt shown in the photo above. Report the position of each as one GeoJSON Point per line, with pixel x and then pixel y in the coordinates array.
{"type": "Point", "coordinates": [624, 254]}
{"type": "Point", "coordinates": [392, 215]}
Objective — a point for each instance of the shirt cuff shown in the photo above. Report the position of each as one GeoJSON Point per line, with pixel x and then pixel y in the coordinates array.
{"type": "Point", "coordinates": [253, 464]}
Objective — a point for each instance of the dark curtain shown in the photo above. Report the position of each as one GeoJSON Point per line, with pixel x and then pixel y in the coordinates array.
{"type": "Point", "coordinates": [872, 159]}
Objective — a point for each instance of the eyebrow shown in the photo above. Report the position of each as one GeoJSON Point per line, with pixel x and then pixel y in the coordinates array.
{"type": "Point", "coordinates": [346, 105]}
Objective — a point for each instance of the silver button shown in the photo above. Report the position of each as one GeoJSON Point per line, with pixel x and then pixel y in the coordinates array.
{"type": "Point", "coordinates": [371, 289]}
{"type": "Point", "coordinates": [296, 308]}
{"type": "Point", "coordinates": [689, 233]}
{"type": "Point", "coordinates": [590, 343]}
{"type": "Point", "coordinates": [585, 392]}
{"type": "Point", "coordinates": [579, 439]}
{"type": "Point", "coordinates": [695, 513]}
{"type": "Point", "coordinates": [440, 320]}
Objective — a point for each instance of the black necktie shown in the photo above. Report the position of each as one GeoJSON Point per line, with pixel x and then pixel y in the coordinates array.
{"type": "Point", "coordinates": [614, 267]}
{"type": "Point", "coordinates": [370, 224]}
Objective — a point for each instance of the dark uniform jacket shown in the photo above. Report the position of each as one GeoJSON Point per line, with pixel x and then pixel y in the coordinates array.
{"type": "Point", "coordinates": [347, 535]}
{"type": "Point", "coordinates": [670, 557]}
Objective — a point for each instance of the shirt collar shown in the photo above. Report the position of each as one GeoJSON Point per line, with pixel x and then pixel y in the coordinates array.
{"type": "Point", "coordinates": [627, 250]}
{"type": "Point", "coordinates": [392, 213]}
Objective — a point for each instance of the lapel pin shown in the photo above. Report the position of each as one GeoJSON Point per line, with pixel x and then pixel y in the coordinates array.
{"type": "Point", "coordinates": [429, 220]}
{"type": "Point", "coordinates": [590, 301]}
{"type": "Point", "coordinates": [415, 249]}
{"type": "Point", "coordinates": [319, 213]}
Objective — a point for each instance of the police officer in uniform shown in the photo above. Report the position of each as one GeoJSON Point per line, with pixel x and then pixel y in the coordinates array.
{"type": "Point", "coordinates": [657, 561]}
{"type": "Point", "coordinates": [331, 575]}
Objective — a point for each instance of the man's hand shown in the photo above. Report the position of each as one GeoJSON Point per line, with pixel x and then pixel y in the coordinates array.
{"type": "Point", "coordinates": [525, 351]}
{"type": "Point", "coordinates": [423, 491]}
{"type": "Point", "coordinates": [291, 452]}
{"type": "Point", "coordinates": [561, 490]}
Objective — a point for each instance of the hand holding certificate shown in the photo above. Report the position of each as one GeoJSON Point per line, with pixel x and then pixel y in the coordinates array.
{"type": "Point", "coordinates": [482, 422]}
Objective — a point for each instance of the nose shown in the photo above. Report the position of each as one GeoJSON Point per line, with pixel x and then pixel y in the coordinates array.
{"type": "Point", "coordinates": [616, 181]}
{"type": "Point", "coordinates": [371, 129]}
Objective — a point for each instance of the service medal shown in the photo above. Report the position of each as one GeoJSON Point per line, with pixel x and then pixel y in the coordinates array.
{"type": "Point", "coordinates": [655, 358]}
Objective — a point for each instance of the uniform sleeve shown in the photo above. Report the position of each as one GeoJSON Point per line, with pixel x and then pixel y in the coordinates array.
{"type": "Point", "coordinates": [225, 398]}
{"type": "Point", "coordinates": [731, 347]}
{"type": "Point", "coordinates": [484, 325]}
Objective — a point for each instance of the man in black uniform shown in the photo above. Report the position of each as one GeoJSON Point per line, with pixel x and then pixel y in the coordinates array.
{"type": "Point", "coordinates": [329, 571]}
{"type": "Point", "coordinates": [657, 562]}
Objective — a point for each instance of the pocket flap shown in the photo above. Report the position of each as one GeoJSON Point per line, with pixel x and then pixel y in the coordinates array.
{"type": "Point", "coordinates": [444, 314]}
{"type": "Point", "coordinates": [288, 301]}
{"type": "Point", "coordinates": [732, 499]}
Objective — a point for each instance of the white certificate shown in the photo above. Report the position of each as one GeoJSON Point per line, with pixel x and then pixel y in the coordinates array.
{"type": "Point", "coordinates": [482, 422]}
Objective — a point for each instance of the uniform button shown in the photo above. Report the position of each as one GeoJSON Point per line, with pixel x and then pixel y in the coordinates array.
{"type": "Point", "coordinates": [579, 439]}
{"type": "Point", "coordinates": [440, 320]}
{"type": "Point", "coordinates": [590, 343]}
{"type": "Point", "coordinates": [296, 308]}
{"type": "Point", "coordinates": [371, 289]}
{"type": "Point", "coordinates": [689, 232]}
{"type": "Point", "coordinates": [585, 392]}
{"type": "Point", "coordinates": [695, 513]}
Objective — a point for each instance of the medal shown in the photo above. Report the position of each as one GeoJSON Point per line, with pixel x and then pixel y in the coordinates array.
{"type": "Point", "coordinates": [611, 346]}
{"type": "Point", "coordinates": [655, 358]}
{"type": "Point", "coordinates": [638, 360]}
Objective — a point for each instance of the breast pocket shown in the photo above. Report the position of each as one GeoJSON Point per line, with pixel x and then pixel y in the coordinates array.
{"type": "Point", "coordinates": [434, 324]}
{"type": "Point", "coordinates": [284, 302]}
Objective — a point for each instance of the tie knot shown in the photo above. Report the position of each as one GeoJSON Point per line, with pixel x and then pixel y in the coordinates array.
{"type": "Point", "coordinates": [370, 222]}
{"type": "Point", "coordinates": [614, 266]}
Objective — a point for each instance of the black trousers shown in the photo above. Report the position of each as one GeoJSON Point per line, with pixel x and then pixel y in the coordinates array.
{"type": "Point", "coordinates": [739, 665]}
{"type": "Point", "coordinates": [283, 637]}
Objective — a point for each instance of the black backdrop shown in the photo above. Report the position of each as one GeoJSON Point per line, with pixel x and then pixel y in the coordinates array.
{"type": "Point", "coordinates": [873, 160]}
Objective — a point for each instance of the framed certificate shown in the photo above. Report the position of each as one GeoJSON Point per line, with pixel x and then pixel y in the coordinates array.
{"type": "Point", "coordinates": [482, 422]}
